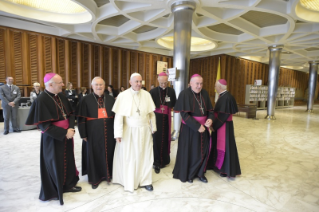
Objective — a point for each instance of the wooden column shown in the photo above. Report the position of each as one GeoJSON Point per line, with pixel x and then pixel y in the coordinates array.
{"type": "Point", "coordinates": [54, 55]}
{"type": "Point", "coordinates": [67, 61]}
{"type": "Point", "coordinates": [25, 60]}
{"type": "Point", "coordinates": [91, 62]}
{"type": "Point", "coordinates": [110, 67]}
{"type": "Point", "coordinates": [119, 68]}
{"type": "Point", "coordinates": [101, 62]}
{"type": "Point", "coordinates": [79, 64]}
{"type": "Point", "coordinates": [8, 46]}
{"type": "Point", "coordinates": [40, 60]}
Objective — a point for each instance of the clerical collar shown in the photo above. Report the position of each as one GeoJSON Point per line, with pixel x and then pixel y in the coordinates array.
{"type": "Point", "coordinates": [97, 96]}
{"type": "Point", "coordinates": [223, 92]}
{"type": "Point", "coordinates": [162, 88]}
{"type": "Point", "coordinates": [133, 91]}
{"type": "Point", "coordinates": [48, 92]}
{"type": "Point", "coordinates": [194, 91]}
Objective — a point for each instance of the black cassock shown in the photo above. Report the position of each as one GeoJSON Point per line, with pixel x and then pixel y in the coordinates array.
{"type": "Point", "coordinates": [225, 106]}
{"type": "Point", "coordinates": [98, 151]}
{"type": "Point", "coordinates": [193, 147]}
{"type": "Point", "coordinates": [161, 138]}
{"type": "Point", "coordinates": [57, 165]}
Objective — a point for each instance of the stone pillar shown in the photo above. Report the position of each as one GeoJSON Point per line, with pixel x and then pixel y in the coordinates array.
{"type": "Point", "coordinates": [274, 66]}
{"type": "Point", "coordinates": [313, 74]}
{"type": "Point", "coordinates": [183, 15]}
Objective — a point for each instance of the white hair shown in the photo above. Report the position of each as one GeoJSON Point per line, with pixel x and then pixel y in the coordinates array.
{"type": "Point", "coordinates": [48, 82]}
{"type": "Point", "coordinates": [195, 77]}
{"type": "Point", "coordinates": [98, 77]}
{"type": "Point", "coordinates": [36, 84]}
{"type": "Point", "coordinates": [224, 87]}
{"type": "Point", "coordinates": [134, 75]}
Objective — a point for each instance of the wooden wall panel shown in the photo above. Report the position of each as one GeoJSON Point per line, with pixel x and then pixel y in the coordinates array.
{"type": "Point", "coordinates": [23, 52]}
{"type": "Point", "coordinates": [85, 61]}
{"type": "Point", "coordinates": [33, 52]}
{"type": "Point", "coordinates": [106, 64]}
{"type": "Point", "coordinates": [2, 56]}
{"type": "Point", "coordinates": [115, 66]}
{"type": "Point", "coordinates": [17, 57]}
{"type": "Point", "coordinates": [238, 72]}
{"type": "Point", "coordinates": [47, 48]}
{"type": "Point", "coordinates": [61, 58]}
{"type": "Point", "coordinates": [74, 68]}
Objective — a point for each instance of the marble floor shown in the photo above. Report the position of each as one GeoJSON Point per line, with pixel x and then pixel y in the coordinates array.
{"type": "Point", "coordinates": [279, 161]}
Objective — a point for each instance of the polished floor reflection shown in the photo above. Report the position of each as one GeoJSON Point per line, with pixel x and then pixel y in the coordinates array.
{"type": "Point", "coordinates": [279, 161]}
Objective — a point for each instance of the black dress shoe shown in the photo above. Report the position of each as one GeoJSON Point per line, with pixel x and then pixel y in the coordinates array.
{"type": "Point", "coordinates": [6, 133]}
{"type": "Point", "coordinates": [157, 169]}
{"type": "Point", "coordinates": [74, 189]}
{"type": "Point", "coordinates": [17, 131]}
{"type": "Point", "coordinates": [190, 181]}
{"type": "Point", "coordinates": [149, 187]}
{"type": "Point", "coordinates": [203, 179]}
{"type": "Point", "coordinates": [223, 175]}
{"type": "Point", "coordinates": [95, 186]}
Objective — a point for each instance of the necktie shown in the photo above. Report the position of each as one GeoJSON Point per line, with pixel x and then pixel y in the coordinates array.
{"type": "Point", "coordinates": [10, 87]}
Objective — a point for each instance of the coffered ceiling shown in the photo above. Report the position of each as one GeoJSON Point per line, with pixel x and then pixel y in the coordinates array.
{"type": "Point", "coordinates": [242, 28]}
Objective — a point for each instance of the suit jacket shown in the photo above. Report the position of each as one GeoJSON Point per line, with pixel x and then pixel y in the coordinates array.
{"type": "Point", "coordinates": [10, 96]}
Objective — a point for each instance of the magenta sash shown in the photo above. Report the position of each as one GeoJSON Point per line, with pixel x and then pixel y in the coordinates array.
{"type": "Point", "coordinates": [167, 111]}
{"type": "Point", "coordinates": [65, 125]}
{"type": "Point", "coordinates": [202, 120]}
{"type": "Point", "coordinates": [221, 143]}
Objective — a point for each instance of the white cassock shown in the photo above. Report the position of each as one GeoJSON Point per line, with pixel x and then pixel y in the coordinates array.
{"type": "Point", "coordinates": [133, 156]}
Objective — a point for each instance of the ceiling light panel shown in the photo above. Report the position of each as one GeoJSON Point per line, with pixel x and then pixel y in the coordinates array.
{"type": "Point", "coordinates": [57, 6]}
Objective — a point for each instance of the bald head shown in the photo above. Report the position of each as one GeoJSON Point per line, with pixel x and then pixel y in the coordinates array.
{"type": "Point", "coordinates": [162, 81]}
{"type": "Point", "coordinates": [55, 84]}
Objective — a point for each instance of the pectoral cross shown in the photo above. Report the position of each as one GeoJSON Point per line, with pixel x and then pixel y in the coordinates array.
{"type": "Point", "coordinates": [202, 109]}
{"type": "Point", "coordinates": [104, 113]}
{"type": "Point", "coordinates": [64, 115]}
{"type": "Point", "coordinates": [162, 109]}
{"type": "Point", "coordinates": [138, 111]}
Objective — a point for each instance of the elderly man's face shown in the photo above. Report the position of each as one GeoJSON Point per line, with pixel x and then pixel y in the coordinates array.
{"type": "Point", "coordinates": [57, 84]}
{"type": "Point", "coordinates": [196, 84]}
{"type": "Point", "coordinates": [98, 86]}
{"type": "Point", "coordinates": [9, 80]}
{"type": "Point", "coordinates": [218, 87]}
{"type": "Point", "coordinates": [136, 83]}
{"type": "Point", "coordinates": [163, 81]}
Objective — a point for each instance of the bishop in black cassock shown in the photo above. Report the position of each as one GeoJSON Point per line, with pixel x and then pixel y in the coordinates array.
{"type": "Point", "coordinates": [224, 157]}
{"type": "Point", "coordinates": [53, 114]}
{"type": "Point", "coordinates": [164, 99]}
{"type": "Point", "coordinates": [193, 151]}
{"type": "Point", "coordinates": [95, 123]}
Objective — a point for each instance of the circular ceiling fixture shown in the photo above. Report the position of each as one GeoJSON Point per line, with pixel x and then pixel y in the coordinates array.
{"type": "Point", "coordinates": [294, 67]}
{"type": "Point", "coordinates": [197, 44]}
{"type": "Point", "coordinates": [310, 4]}
{"type": "Point", "coordinates": [56, 11]}
{"type": "Point", "coordinates": [308, 10]}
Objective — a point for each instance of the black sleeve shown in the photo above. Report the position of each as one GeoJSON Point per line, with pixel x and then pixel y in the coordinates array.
{"type": "Point", "coordinates": [190, 121]}
{"type": "Point", "coordinates": [210, 115]}
{"type": "Point", "coordinates": [82, 126]}
{"type": "Point", "coordinates": [220, 120]}
{"type": "Point", "coordinates": [81, 118]}
{"type": "Point", "coordinates": [71, 121]}
{"type": "Point", "coordinates": [53, 131]}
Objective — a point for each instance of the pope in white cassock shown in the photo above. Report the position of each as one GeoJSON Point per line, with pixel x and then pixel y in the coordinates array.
{"type": "Point", "coordinates": [134, 124]}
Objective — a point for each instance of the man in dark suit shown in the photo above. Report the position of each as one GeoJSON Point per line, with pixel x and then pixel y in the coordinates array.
{"type": "Point", "coordinates": [10, 95]}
